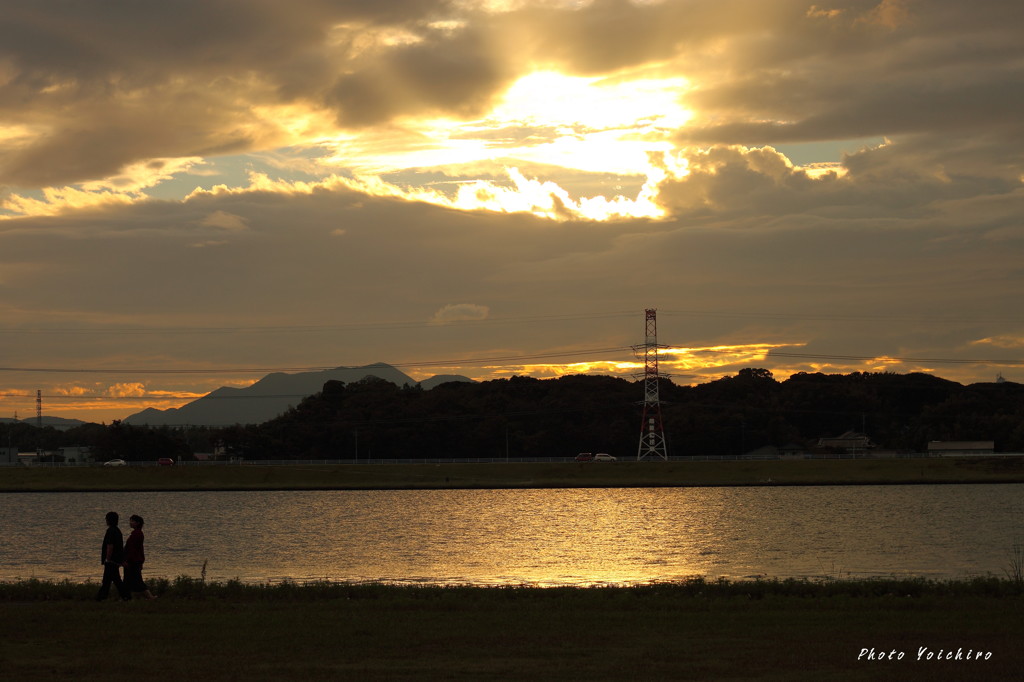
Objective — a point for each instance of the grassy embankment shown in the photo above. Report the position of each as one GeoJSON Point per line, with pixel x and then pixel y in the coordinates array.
{"type": "Point", "coordinates": [501, 475]}
{"type": "Point", "coordinates": [695, 630]}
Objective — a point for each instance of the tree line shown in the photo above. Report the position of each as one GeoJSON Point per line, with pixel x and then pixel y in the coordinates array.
{"type": "Point", "coordinates": [526, 417]}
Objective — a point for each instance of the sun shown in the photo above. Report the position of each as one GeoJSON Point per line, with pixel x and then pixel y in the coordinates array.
{"type": "Point", "coordinates": [563, 124]}
{"type": "Point", "coordinates": [552, 98]}
{"type": "Point", "coordinates": [581, 123]}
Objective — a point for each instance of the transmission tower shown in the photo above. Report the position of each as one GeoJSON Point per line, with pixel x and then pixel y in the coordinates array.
{"type": "Point", "coordinates": [652, 430]}
{"type": "Point", "coordinates": [39, 409]}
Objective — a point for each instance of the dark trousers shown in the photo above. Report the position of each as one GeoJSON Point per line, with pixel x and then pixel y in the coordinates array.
{"type": "Point", "coordinates": [133, 577]}
{"type": "Point", "coordinates": [112, 574]}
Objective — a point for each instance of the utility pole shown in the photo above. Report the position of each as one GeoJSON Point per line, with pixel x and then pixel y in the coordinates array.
{"type": "Point", "coordinates": [39, 423]}
{"type": "Point", "coordinates": [652, 430]}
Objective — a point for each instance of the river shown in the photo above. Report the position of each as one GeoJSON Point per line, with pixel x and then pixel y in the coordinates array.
{"type": "Point", "coordinates": [539, 537]}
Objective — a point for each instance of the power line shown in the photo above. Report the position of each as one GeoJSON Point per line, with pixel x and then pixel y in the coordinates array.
{"type": "Point", "coordinates": [933, 361]}
{"type": "Point", "coordinates": [513, 358]}
{"type": "Point", "coordinates": [247, 370]}
{"type": "Point", "coordinates": [499, 320]}
{"type": "Point", "coordinates": [838, 317]}
{"type": "Point", "coordinates": [302, 328]}
{"type": "Point", "coordinates": [192, 396]}
{"type": "Point", "coordinates": [508, 359]}
{"type": "Point", "coordinates": [154, 398]}
{"type": "Point", "coordinates": [124, 370]}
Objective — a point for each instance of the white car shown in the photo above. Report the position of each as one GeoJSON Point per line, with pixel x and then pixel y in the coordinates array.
{"type": "Point", "coordinates": [115, 463]}
{"type": "Point", "coordinates": [603, 457]}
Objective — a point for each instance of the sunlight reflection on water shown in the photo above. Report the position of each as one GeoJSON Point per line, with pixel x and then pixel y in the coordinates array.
{"type": "Point", "coordinates": [540, 537]}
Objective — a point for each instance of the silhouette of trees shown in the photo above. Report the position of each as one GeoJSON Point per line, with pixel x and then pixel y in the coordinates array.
{"type": "Point", "coordinates": [526, 417]}
{"type": "Point", "coordinates": [130, 443]}
{"type": "Point", "coordinates": [523, 416]}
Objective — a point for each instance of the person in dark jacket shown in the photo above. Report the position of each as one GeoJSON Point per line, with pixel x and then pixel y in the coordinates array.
{"type": "Point", "coordinates": [134, 557]}
{"type": "Point", "coordinates": [112, 556]}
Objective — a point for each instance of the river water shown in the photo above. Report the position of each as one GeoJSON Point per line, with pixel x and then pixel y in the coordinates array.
{"type": "Point", "coordinates": [540, 537]}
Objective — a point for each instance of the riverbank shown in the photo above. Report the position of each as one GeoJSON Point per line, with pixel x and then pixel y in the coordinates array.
{"type": "Point", "coordinates": [514, 475]}
{"type": "Point", "coordinates": [785, 630]}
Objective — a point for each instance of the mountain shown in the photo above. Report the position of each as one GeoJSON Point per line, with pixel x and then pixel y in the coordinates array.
{"type": "Point", "coordinates": [270, 396]}
{"type": "Point", "coordinates": [59, 423]}
{"type": "Point", "coordinates": [430, 383]}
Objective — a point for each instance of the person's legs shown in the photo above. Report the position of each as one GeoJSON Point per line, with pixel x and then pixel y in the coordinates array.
{"type": "Point", "coordinates": [104, 586]}
{"type": "Point", "coordinates": [110, 575]}
{"type": "Point", "coordinates": [119, 585]}
{"type": "Point", "coordinates": [134, 582]}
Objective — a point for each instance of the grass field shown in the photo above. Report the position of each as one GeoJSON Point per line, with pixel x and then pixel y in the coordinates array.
{"type": "Point", "coordinates": [501, 475]}
{"type": "Point", "coordinates": [788, 630]}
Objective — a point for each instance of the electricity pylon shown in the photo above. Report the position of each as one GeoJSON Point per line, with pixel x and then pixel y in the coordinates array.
{"type": "Point", "coordinates": [652, 430]}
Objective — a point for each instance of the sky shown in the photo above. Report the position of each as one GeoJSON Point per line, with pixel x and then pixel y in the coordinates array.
{"type": "Point", "coordinates": [195, 194]}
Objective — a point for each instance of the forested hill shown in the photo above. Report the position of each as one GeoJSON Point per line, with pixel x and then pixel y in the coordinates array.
{"type": "Point", "coordinates": [561, 417]}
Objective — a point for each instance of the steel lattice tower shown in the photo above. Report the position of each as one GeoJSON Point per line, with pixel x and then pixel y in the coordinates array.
{"type": "Point", "coordinates": [652, 430]}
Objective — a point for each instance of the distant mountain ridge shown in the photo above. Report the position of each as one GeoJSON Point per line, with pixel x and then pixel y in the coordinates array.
{"type": "Point", "coordinates": [271, 396]}
{"type": "Point", "coordinates": [59, 423]}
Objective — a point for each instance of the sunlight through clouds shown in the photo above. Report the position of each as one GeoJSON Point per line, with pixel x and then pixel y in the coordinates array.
{"type": "Point", "coordinates": [521, 195]}
{"type": "Point", "coordinates": [56, 201]}
{"type": "Point", "coordinates": [595, 125]}
{"type": "Point", "coordinates": [124, 188]}
{"type": "Point", "coordinates": [704, 359]}
{"type": "Point", "coordinates": [681, 365]}
{"type": "Point", "coordinates": [551, 98]}
{"type": "Point", "coordinates": [548, 200]}
{"type": "Point", "coordinates": [136, 177]}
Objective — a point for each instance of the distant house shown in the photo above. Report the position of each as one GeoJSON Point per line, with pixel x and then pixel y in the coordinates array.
{"type": "Point", "coordinates": [851, 442]}
{"type": "Point", "coordinates": [959, 448]}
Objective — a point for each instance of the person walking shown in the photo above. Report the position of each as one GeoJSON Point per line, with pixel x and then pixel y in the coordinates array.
{"type": "Point", "coordinates": [134, 557]}
{"type": "Point", "coordinates": [112, 556]}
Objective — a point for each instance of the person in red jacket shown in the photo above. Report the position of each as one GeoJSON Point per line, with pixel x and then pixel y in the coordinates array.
{"type": "Point", "coordinates": [134, 557]}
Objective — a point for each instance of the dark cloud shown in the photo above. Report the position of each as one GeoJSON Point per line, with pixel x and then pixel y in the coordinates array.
{"type": "Point", "coordinates": [988, 102]}
{"type": "Point", "coordinates": [451, 74]}
{"type": "Point", "coordinates": [944, 69]}
{"type": "Point", "coordinates": [106, 85]}
{"type": "Point", "coordinates": [102, 86]}
{"type": "Point", "coordinates": [885, 184]}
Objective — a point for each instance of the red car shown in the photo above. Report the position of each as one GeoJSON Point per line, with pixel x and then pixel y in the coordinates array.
{"type": "Point", "coordinates": [165, 461]}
